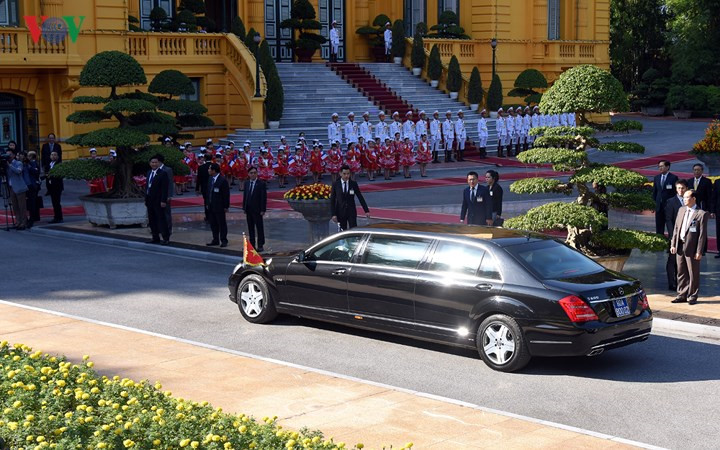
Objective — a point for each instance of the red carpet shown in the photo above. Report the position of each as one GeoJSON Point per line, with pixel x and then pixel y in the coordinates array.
{"type": "Point", "coordinates": [504, 162]}
{"type": "Point", "coordinates": [372, 88]}
{"type": "Point", "coordinates": [648, 161]}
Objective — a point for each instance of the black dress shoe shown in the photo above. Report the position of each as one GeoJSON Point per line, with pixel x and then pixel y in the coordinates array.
{"type": "Point", "coordinates": [154, 241]}
{"type": "Point", "coordinates": [165, 242]}
{"type": "Point", "coordinates": [692, 301]}
{"type": "Point", "coordinates": [679, 300]}
{"type": "Point", "coordinates": [213, 243]}
{"type": "Point", "coordinates": [260, 249]}
{"type": "Point", "coordinates": [224, 244]}
{"type": "Point", "coordinates": [56, 221]}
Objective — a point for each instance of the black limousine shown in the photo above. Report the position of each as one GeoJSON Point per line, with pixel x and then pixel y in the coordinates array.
{"type": "Point", "coordinates": [510, 294]}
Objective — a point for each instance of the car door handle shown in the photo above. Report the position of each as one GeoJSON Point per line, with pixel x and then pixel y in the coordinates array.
{"type": "Point", "coordinates": [339, 271]}
{"type": "Point", "coordinates": [483, 286]}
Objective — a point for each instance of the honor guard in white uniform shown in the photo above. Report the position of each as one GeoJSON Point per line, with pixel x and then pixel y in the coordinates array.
{"type": "Point", "coordinates": [460, 136]}
{"type": "Point", "coordinates": [334, 41]}
{"type": "Point", "coordinates": [448, 131]}
{"type": "Point", "coordinates": [388, 40]}
{"type": "Point", "coordinates": [571, 119]}
{"type": "Point", "coordinates": [519, 138]}
{"type": "Point", "coordinates": [482, 130]}
{"type": "Point", "coordinates": [409, 127]}
{"type": "Point", "coordinates": [563, 119]}
{"type": "Point", "coordinates": [527, 122]}
{"type": "Point", "coordinates": [534, 123]}
{"type": "Point", "coordinates": [366, 128]}
{"type": "Point", "coordinates": [501, 127]}
{"type": "Point", "coordinates": [351, 130]}
{"type": "Point", "coordinates": [544, 120]}
{"type": "Point", "coordinates": [554, 120]}
{"type": "Point", "coordinates": [382, 128]}
{"type": "Point", "coordinates": [435, 135]}
{"type": "Point", "coordinates": [421, 125]}
{"type": "Point", "coordinates": [334, 129]}
{"type": "Point", "coordinates": [395, 126]}
{"type": "Point", "coordinates": [511, 132]}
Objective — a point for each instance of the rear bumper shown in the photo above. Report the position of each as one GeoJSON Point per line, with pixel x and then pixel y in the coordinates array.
{"type": "Point", "coordinates": [564, 339]}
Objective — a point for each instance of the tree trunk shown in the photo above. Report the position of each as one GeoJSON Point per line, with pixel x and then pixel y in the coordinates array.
{"type": "Point", "coordinates": [579, 239]}
{"type": "Point", "coordinates": [124, 186]}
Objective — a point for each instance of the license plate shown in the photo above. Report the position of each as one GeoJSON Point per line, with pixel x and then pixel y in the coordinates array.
{"type": "Point", "coordinates": [621, 307]}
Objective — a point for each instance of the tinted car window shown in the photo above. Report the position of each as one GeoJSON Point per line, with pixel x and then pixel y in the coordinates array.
{"type": "Point", "coordinates": [488, 268]}
{"type": "Point", "coordinates": [395, 251]}
{"type": "Point", "coordinates": [456, 257]}
{"type": "Point", "coordinates": [553, 260]}
{"type": "Point", "coordinates": [340, 250]}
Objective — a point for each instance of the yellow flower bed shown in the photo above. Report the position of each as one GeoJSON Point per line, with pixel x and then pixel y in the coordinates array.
{"type": "Point", "coordinates": [48, 402]}
{"type": "Point", "coordinates": [315, 191]}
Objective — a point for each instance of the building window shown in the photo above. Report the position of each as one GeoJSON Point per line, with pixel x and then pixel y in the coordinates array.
{"type": "Point", "coordinates": [196, 96]}
{"type": "Point", "coordinates": [414, 14]}
{"type": "Point", "coordinates": [9, 13]}
{"type": "Point", "coordinates": [553, 20]}
{"type": "Point", "coordinates": [147, 5]}
{"type": "Point", "coordinates": [449, 5]}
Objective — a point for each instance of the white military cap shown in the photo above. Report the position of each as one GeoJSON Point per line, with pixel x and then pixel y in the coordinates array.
{"type": "Point", "coordinates": [282, 137]}
{"type": "Point", "coordinates": [500, 109]}
{"type": "Point", "coordinates": [409, 113]}
{"type": "Point", "coordinates": [334, 115]}
{"type": "Point", "coordinates": [421, 113]}
{"type": "Point", "coordinates": [395, 114]}
{"type": "Point", "coordinates": [436, 112]}
{"type": "Point", "coordinates": [483, 111]}
{"type": "Point", "coordinates": [248, 141]}
{"type": "Point", "coordinates": [536, 108]}
{"type": "Point", "coordinates": [209, 141]}
{"type": "Point", "coordinates": [188, 143]}
{"type": "Point", "coordinates": [231, 142]}
{"type": "Point", "coordinates": [351, 114]}
{"type": "Point", "coordinates": [387, 24]}
{"type": "Point", "coordinates": [461, 112]}
{"type": "Point", "coordinates": [202, 149]}
{"type": "Point", "coordinates": [265, 140]}
{"type": "Point", "coordinates": [448, 113]}
{"type": "Point", "coordinates": [182, 147]}
{"type": "Point", "coordinates": [366, 114]}
{"type": "Point", "coordinates": [113, 152]}
{"type": "Point", "coordinates": [381, 113]}
{"type": "Point", "coordinates": [519, 108]}
{"type": "Point", "coordinates": [93, 150]}
{"type": "Point", "coordinates": [167, 139]}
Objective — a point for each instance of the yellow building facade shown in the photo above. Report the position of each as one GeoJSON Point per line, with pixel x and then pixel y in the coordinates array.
{"type": "Point", "coordinates": [39, 72]}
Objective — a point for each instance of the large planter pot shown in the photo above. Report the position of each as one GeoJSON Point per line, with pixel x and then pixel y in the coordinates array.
{"type": "Point", "coordinates": [712, 161]}
{"type": "Point", "coordinates": [317, 213]}
{"type": "Point", "coordinates": [474, 106]}
{"type": "Point", "coordinates": [378, 53]}
{"type": "Point", "coordinates": [653, 110]}
{"type": "Point", "coordinates": [114, 211]}
{"type": "Point", "coordinates": [682, 113]}
{"type": "Point", "coordinates": [417, 71]}
{"type": "Point", "coordinates": [304, 54]}
{"type": "Point", "coordinates": [453, 95]}
{"type": "Point", "coordinates": [612, 262]}
{"type": "Point", "coordinates": [274, 124]}
{"type": "Point", "coordinates": [397, 60]}
{"type": "Point", "coordinates": [434, 83]}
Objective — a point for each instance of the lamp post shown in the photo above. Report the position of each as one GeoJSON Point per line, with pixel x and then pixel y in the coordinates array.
{"type": "Point", "coordinates": [493, 44]}
{"type": "Point", "coordinates": [257, 40]}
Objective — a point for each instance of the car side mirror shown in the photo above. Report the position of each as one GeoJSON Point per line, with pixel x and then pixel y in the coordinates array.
{"type": "Point", "coordinates": [301, 256]}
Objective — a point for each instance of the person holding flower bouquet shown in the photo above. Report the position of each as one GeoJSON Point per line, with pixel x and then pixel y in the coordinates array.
{"type": "Point", "coordinates": [424, 154]}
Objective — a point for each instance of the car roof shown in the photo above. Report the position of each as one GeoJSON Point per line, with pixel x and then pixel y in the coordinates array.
{"type": "Point", "coordinates": [500, 236]}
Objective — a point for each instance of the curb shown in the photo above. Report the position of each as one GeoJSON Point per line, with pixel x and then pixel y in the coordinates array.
{"type": "Point", "coordinates": [115, 242]}
{"type": "Point", "coordinates": [687, 329]}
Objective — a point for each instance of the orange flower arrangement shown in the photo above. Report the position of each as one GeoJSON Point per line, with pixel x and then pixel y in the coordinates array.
{"type": "Point", "coordinates": [711, 142]}
{"type": "Point", "coordinates": [317, 191]}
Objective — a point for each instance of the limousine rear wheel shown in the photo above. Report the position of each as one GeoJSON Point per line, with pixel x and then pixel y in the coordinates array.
{"type": "Point", "coordinates": [254, 300]}
{"type": "Point", "coordinates": [501, 344]}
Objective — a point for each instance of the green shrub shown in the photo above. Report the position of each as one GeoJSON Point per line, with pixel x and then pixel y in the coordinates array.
{"type": "Point", "coordinates": [678, 98]}
{"type": "Point", "coordinates": [375, 32]}
{"type": "Point", "coordinates": [448, 27]}
{"type": "Point", "coordinates": [624, 147]}
{"type": "Point", "coordinates": [250, 40]}
{"type": "Point", "coordinates": [50, 402]}
{"type": "Point", "coordinates": [558, 216]}
{"type": "Point", "coordinates": [526, 84]}
{"type": "Point", "coordinates": [626, 125]}
{"type": "Point", "coordinates": [398, 39]}
{"type": "Point", "coordinates": [417, 56]}
{"type": "Point", "coordinates": [186, 20]}
{"type": "Point", "coordinates": [302, 19]}
{"type": "Point", "coordinates": [171, 82]}
{"type": "Point", "coordinates": [564, 141]}
{"type": "Point", "coordinates": [475, 90]}
{"type": "Point", "coordinates": [157, 17]}
{"type": "Point", "coordinates": [238, 28]}
{"type": "Point", "coordinates": [434, 64]}
{"type": "Point", "coordinates": [629, 239]}
{"type": "Point", "coordinates": [133, 23]}
{"type": "Point", "coordinates": [454, 78]}
{"type": "Point", "coordinates": [275, 98]}
{"type": "Point", "coordinates": [651, 91]}
{"type": "Point", "coordinates": [495, 95]}
{"type": "Point", "coordinates": [421, 29]}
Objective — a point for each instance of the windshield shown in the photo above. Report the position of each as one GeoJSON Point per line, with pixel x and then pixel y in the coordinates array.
{"type": "Point", "coordinates": [552, 260]}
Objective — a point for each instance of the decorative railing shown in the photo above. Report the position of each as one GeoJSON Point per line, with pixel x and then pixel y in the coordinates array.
{"type": "Point", "coordinates": [447, 46]}
{"type": "Point", "coordinates": [19, 44]}
{"type": "Point", "coordinates": [575, 51]}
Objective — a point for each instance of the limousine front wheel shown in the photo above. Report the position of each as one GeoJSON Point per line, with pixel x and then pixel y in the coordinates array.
{"type": "Point", "coordinates": [501, 344]}
{"type": "Point", "coordinates": [254, 300]}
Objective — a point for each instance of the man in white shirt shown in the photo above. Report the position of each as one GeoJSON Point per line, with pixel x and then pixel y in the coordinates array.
{"type": "Point", "coordinates": [334, 129]}
{"type": "Point", "coordinates": [448, 131]}
{"type": "Point", "coordinates": [571, 119]}
{"type": "Point", "coordinates": [482, 133]}
{"type": "Point", "coordinates": [395, 126]}
{"type": "Point", "coordinates": [535, 122]}
{"type": "Point", "coordinates": [334, 41]}
{"type": "Point", "coordinates": [562, 117]}
{"type": "Point", "coordinates": [366, 127]}
{"type": "Point", "coordinates": [388, 40]}
{"type": "Point", "coordinates": [421, 125]}
{"type": "Point", "coordinates": [351, 130]}
{"type": "Point", "coordinates": [460, 136]}
{"type": "Point", "coordinates": [435, 135]}
{"type": "Point", "coordinates": [409, 127]}
{"type": "Point", "coordinates": [382, 128]}
{"type": "Point", "coordinates": [511, 131]}
{"type": "Point", "coordinates": [501, 127]}
{"type": "Point", "coordinates": [527, 122]}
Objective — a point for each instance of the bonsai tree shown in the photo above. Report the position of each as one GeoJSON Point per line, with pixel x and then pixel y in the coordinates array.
{"type": "Point", "coordinates": [652, 90]}
{"type": "Point", "coordinates": [185, 21]}
{"type": "Point", "coordinates": [137, 115]}
{"type": "Point", "coordinates": [475, 90]}
{"type": "Point", "coordinates": [398, 39]}
{"type": "Point", "coordinates": [133, 23]}
{"type": "Point", "coordinates": [417, 57]}
{"type": "Point", "coordinates": [526, 84]}
{"type": "Point", "coordinates": [375, 31]}
{"type": "Point", "coordinates": [448, 27]}
{"type": "Point", "coordinates": [585, 218]}
{"type": "Point", "coordinates": [584, 89]}
{"type": "Point", "coordinates": [454, 77]}
{"type": "Point", "coordinates": [238, 28]}
{"type": "Point", "coordinates": [421, 29]}
{"type": "Point", "coordinates": [275, 99]}
{"type": "Point", "coordinates": [678, 98]}
{"type": "Point", "coordinates": [495, 95]}
{"type": "Point", "coordinates": [158, 16]}
{"type": "Point", "coordinates": [302, 19]}
{"type": "Point", "coordinates": [435, 67]}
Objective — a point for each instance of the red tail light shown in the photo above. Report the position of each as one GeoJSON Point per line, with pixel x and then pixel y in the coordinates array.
{"type": "Point", "coordinates": [643, 302]}
{"type": "Point", "coordinates": [577, 310]}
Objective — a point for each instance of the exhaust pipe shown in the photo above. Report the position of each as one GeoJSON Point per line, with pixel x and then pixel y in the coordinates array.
{"type": "Point", "coordinates": [596, 352]}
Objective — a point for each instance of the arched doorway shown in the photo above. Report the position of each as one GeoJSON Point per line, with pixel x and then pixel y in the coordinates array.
{"type": "Point", "coordinates": [18, 123]}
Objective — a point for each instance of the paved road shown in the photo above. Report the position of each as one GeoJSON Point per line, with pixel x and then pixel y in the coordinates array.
{"type": "Point", "coordinates": [662, 392]}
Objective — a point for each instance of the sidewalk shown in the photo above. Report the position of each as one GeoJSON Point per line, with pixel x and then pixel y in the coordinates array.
{"type": "Point", "coordinates": [346, 409]}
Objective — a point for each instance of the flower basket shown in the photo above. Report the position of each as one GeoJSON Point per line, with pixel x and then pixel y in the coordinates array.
{"type": "Point", "coordinates": [313, 202]}
{"type": "Point", "coordinates": [707, 149]}
{"type": "Point", "coordinates": [312, 210]}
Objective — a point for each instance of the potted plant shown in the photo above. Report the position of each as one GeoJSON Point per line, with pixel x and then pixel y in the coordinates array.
{"type": "Point", "coordinates": [475, 90]}
{"type": "Point", "coordinates": [585, 219]}
{"type": "Point", "coordinates": [495, 96]}
{"type": "Point", "coordinates": [526, 84]}
{"type": "Point", "coordinates": [138, 115]}
{"type": "Point", "coordinates": [454, 78]}
{"type": "Point", "coordinates": [678, 101]}
{"type": "Point", "coordinates": [275, 98]}
{"type": "Point", "coordinates": [313, 202]}
{"type": "Point", "coordinates": [158, 17]}
{"type": "Point", "coordinates": [447, 27]}
{"type": "Point", "coordinates": [435, 67]}
{"type": "Point", "coordinates": [375, 37]}
{"type": "Point", "coordinates": [650, 94]}
{"type": "Point", "coordinates": [417, 57]}
{"type": "Point", "coordinates": [398, 41]}
{"type": "Point", "coordinates": [302, 19]}
{"type": "Point", "coordinates": [707, 149]}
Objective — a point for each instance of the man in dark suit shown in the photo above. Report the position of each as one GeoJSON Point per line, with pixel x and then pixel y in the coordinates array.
{"type": "Point", "coordinates": [47, 148]}
{"type": "Point", "coordinates": [663, 189]}
{"type": "Point", "coordinates": [342, 200]}
{"type": "Point", "coordinates": [702, 186]}
{"type": "Point", "coordinates": [672, 207]}
{"type": "Point", "coordinates": [55, 186]}
{"type": "Point", "coordinates": [477, 204]}
{"type": "Point", "coordinates": [688, 241]}
{"type": "Point", "coordinates": [202, 179]}
{"type": "Point", "coordinates": [171, 190]}
{"type": "Point", "coordinates": [254, 204]}
{"type": "Point", "coordinates": [715, 209]}
{"type": "Point", "coordinates": [156, 197]}
{"type": "Point", "coordinates": [217, 204]}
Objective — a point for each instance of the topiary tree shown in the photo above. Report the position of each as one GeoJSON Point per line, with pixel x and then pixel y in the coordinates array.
{"type": "Point", "coordinates": [434, 64]}
{"type": "Point", "coordinates": [274, 102]}
{"type": "Point", "coordinates": [138, 115]}
{"type": "Point", "coordinates": [185, 20]}
{"type": "Point", "coordinates": [584, 89]}
{"type": "Point", "coordinates": [475, 90]}
{"type": "Point", "coordinates": [238, 28]}
{"type": "Point", "coordinates": [584, 219]}
{"type": "Point", "coordinates": [133, 23]}
{"type": "Point", "coordinates": [398, 39]}
{"type": "Point", "coordinates": [158, 16]}
{"type": "Point", "coordinates": [421, 29]}
{"type": "Point", "coordinates": [375, 32]}
{"type": "Point", "coordinates": [495, 95]}
{"type": "Point", "coordinates": [526, 83]}
{"type": "Point", "coordinates": [454, 77]}
{"type": "Point", "coordinates": [651, 91]}
{"type": "Point", "coordinates": [448, 27]}
{"type": "Point", "coordinates": [302, 19]}
{"type": "Point", "coordinates": [250, 40]}
{"type": "Point", "coordinates": [417, 56]}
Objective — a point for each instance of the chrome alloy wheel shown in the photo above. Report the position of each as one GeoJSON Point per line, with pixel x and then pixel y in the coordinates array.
{"type": "Point", "coordinates": [252, 299]}
{"type": "Point", "coordinates": [498, 343]}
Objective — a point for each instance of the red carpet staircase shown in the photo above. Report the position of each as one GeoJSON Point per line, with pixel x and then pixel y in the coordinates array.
{"type": "Point", "coordinates": [384, 97]}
